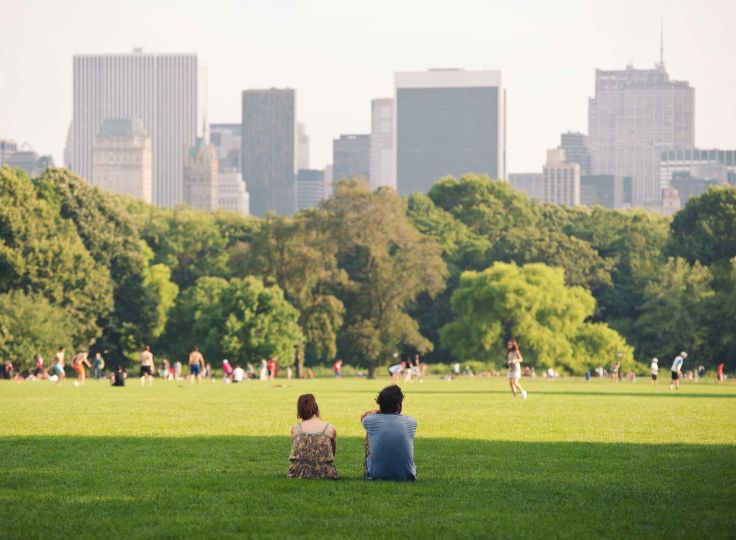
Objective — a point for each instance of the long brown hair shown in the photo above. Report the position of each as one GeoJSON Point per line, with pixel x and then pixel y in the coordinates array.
{"type": "Point", "coordinates": [514, 346]}
{"type": "Point", "coordinates": [306, 407]}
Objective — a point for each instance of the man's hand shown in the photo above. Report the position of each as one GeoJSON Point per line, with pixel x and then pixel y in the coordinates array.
{"type": "Point", "coordinates": [368, 413]}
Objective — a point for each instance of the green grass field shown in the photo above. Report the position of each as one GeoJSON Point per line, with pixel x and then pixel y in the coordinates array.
{"type": "Point", "coordinates": [576, 460]}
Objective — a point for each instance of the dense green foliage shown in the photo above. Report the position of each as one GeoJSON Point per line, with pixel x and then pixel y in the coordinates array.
{"type": "Point", "coordinates": [372, 274]}
{"type": "Point", "coordinates": [575, 460]}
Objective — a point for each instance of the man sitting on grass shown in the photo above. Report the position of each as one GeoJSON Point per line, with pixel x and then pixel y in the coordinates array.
{"type": "Point", "coordinates": [389, 439]}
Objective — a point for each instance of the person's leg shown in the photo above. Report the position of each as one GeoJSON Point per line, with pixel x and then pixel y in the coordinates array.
{"type": "Point", "coordinates": [513, 388]}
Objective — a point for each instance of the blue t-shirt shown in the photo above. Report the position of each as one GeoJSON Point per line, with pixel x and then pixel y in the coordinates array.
{"type": "Point", "coordinates": [391, 438]}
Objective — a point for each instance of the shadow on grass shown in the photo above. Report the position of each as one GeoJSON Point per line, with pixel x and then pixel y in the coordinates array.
{"type": "Point", "coordinates": [215, 486]}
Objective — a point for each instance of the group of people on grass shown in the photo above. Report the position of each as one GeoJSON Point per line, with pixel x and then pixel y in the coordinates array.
{"type": "Point", "coordinates": [389, 440]}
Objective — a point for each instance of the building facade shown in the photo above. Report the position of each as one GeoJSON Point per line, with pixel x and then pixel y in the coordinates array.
{"type": "Point", "coordinates": [200, 176]}
{"type": "Point", "coordinates": [7, 149]}
{"type": "Point", "coordinates": [168, 92]}
{"type": "Point", "coordinates": [604, 190]}
{"type": "Point", "coordinates": [382, 167]}
{"type": "Point", "coordinates": [576, 150]}
{"type": "Point", "coordinates": [310, 188]}
{"type": "Point", "coordinates": [712, 164]}
{"type": "Point", "coordinates": [269, 150]}
{"type": "Point", "coordinates": [448, 122]}
{"type": "Point", "coordinates": [232, 194]}
{"type": "Point", "coordinates": [122, 159]}
{"type": "Point", "coordinates": [561, 179]}
{"type": "Point", "coordinates": [635, 115]}
{"type": "Point", "coordinates": [351, 156]}
{"type": "Point", "coordinates": [531, 184]}
{"type": "Point", "coordinates": [24, 158]}
{"type": "Point", "coordinates": [227, 140]}
{"type": "Point", "coordinates": [302, 147]}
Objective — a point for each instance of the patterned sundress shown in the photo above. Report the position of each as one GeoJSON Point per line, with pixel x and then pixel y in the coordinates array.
{"type": "Point", "coordinates": [311, 455]}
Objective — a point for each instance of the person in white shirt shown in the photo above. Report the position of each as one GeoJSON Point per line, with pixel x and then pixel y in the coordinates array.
{"type": "Point", "coordinates": [238, 374]}
{"type": "Point", "coordinates": [677, 370]}
{"type": "Point", "coordinates": [655, 370]}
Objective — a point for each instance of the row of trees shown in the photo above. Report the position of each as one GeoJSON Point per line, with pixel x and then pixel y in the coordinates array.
{"type": "Point", "coordinates": [451, 274]}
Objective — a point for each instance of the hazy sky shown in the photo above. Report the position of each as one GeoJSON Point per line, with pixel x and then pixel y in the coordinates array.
{"type": "Point", "coordinates": [338, 54]}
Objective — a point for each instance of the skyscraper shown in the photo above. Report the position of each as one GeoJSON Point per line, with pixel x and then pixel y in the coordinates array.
{"type": "Point", "coordinates": [448, 121]}
{"type": "Point", "coordinates": [561, 179]}
{"type": "Point", "coordinates": [635, 115]}
{"type": "Point", "coordinates": [302, 151]}
{"type": "Point", "coordinates": [576, 150]}
{"type": "Point", "coordinates": [168, 92]}
{"type": "Point", "coordinates": [351, 156]}
{"type": "Point", "coordinates": [310, 188]}
{"type": "Point", "coordinates": [382, 168]}
{"type": "Point", "coordinates": [122, 159]}
{"type": "Point", "coordinates": [200, 176]}
{"type": "Point", "coordinates": [269, 150]}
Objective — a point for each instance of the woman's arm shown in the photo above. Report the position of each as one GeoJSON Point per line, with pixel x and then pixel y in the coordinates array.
{"type": "Point", "coordinates": [333, 440]}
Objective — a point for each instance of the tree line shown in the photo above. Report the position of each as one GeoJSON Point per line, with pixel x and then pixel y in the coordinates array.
{"type": "Point", "coordinates": [451, 275]}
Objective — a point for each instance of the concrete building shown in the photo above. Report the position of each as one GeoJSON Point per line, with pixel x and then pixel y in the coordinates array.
{"type": "Point", "coordinates": [269, 150]}
{"type": "Point", "coordinates": [576, 150]}
{"type": "Point", "coordinates": [168, 92]}
{"type": "Point", "coordinates": [561, 179]}
{"type": "Point", "coordinates": [227, 140]}
{"type": "Point", "coordinates": [382, 167]}
{"type": "Point", "coordinates": [603, 189]}
{"type": "Point", "coordinates": [200, 176]}
{"type": "Point", "coordinates": [635, 115]}
{"type": "Point", "coordinates": [310, 188]}
{"type": "Point", "coordinates": [232, 194]}
{"type": "Point", "coordinates": [26, 158]}
{"type": "Point", "coordinates": [712, 164]}
{"type": "Point", "coordinates": [7, 149]}
{"type": "Point", "coordinates": [302, 150]}
{"type": "Point", "coordinates": [448, 122]}
{"type": "Point", "coordinates": [531, 184]}
{"type": "Point", "coordinates": [122, 159]}
{"type": "Point", "coordinates": [688, 186]}
{"type": "Point", "coordinates": [351, 156]}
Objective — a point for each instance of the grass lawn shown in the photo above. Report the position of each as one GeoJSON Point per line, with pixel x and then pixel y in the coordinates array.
{"type": "Point", "coordinates": [576, 460]}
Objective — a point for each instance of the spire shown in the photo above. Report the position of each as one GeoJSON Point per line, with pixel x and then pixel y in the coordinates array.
{"type": "Point", "coordinates": [660, 65]}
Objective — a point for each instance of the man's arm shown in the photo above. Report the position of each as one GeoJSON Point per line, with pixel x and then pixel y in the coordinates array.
{"type": "Point", "coordinates": [368, 413]}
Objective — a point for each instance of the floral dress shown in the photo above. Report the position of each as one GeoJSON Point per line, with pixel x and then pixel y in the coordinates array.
{"type": "Point", "coordinates": [311, 455]}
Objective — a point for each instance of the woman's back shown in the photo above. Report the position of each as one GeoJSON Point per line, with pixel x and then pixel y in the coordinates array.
{"type": "Point", "coordinates": [312, 452]}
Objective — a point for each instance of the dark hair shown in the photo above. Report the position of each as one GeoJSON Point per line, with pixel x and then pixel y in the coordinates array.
{"type": "Point", "coordinates": [390, 399]}
{"type": "Point", "coordinates": [514, 345]}
{"type": "Point", "coordinates": [306, 407]}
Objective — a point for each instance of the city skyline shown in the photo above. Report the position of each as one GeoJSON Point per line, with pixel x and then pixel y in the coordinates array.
{"type": "Point", "coordinates": [545, 56]}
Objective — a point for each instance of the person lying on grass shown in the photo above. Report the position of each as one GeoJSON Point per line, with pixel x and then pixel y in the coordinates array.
{"type": "Point", "coordinates": [389, 439]}
{"type": "Point", "coordinates": [313, 443]}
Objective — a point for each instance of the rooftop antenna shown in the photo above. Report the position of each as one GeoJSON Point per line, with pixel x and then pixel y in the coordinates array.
{"type": "Point", "coordinates": [660, 65]}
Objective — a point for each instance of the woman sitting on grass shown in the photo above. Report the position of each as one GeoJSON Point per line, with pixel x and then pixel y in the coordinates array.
{"type": "Point", "coordinates": [313, 443]}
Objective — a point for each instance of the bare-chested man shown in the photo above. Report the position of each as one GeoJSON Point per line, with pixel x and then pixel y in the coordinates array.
{"type": "Point", "coordinates": [146, 366]}
{"type": "Point", "coordinates": [196, 366]}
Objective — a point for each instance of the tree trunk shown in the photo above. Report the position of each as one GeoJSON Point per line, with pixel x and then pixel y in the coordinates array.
{"type": "Point", "coordinates": [371, 370]}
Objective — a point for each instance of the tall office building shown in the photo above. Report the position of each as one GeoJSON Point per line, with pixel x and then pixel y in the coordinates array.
{"type": "Point", "coordinates": [635, 115]}
{"type": "Point", "coordinates": [561, 179]}
{"type": "Point", "coordinates": [310, 188]}
{"type": "Point", "coordinates": [200, 176]}
{"type": "Point", "coordinates": [122, 159]}
{"type": "Point", "coordinates": [382, 168]}
{"type": "Point", "coordinates": [269, 150]}
{"type": "Point", "coordinates": [699, 163]}
{"type": "Point", "coordinates": [351, 156]}
{"type": "Point", "coordinates": [227, 140]}
{"type": "Point", "coordinates": [603, 190]}
{"type": "Point", "coordinates": [531, 184]}
{"type": "Point", "coordinates": [302, 147]}
{"type": "Point", "coordinates": [7, 149]}
{"type": "Point", "coordinates": [448, 122]}
{"type": "Point", "coordinates": [168, 92]}
{"type": "Point", "coordinates": [576, 150]}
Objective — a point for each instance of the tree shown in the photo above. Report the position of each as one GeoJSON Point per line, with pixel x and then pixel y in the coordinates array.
{"type": "Point", "coordinates": [705, 230]}
{"type": "Point", "coordinates": [30, 325]}
{"type": "Point", "coordinates": [389, 264]}
{"type": "Point", "coordinates": [240, 319]}
{"type": "Point", "coordinates": [42, 254]}
{"type": "Point", "coordinates": [529, 303]}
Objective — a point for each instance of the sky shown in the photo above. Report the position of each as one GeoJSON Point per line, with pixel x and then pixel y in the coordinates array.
{"type": "Point", "coordinates": [340, 54]}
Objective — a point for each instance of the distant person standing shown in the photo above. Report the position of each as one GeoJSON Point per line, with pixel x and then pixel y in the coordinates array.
{"type": "Point", "coordinates": [58, 366]}
{"type": "Point", "coordinates": [677, 370]}
{"type": "Point", "coordinates": [263, 373]}
{"type": "Point", "coordinates": [227, 370]}
{"type": "Point", "coordinates": [616, 372]}
{"type": "Point", "coordinates": [177, 370]}
{"type": "Point", "coordinates": [271, 365]}
{"type": "Point", "coordinates": [719, 372]}
{"type": "Point", "coordinates": [40, 373]}
{"type": "Point", "coordinates": [98, 365]}
{"type": "Point", "coordinates": [654, 366]}
{"type": "Point", "coordinates": [337, 368]}
{"type": "Point", "coordinates": [513, 362]}
{"type": "Point", "coordinates": [196, 366]}
{"type": "Point", "coordinates": [147, 366]}
{"type": "Point", "coordinates": [455, 370]}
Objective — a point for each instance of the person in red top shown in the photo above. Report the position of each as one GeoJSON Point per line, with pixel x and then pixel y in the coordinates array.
{"type": "Point", "coordinates": [271, 366]}
{"type": "Point", "coordinates": [337, 368]}
{"type": "Point", "coordinates": [719, 372]}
